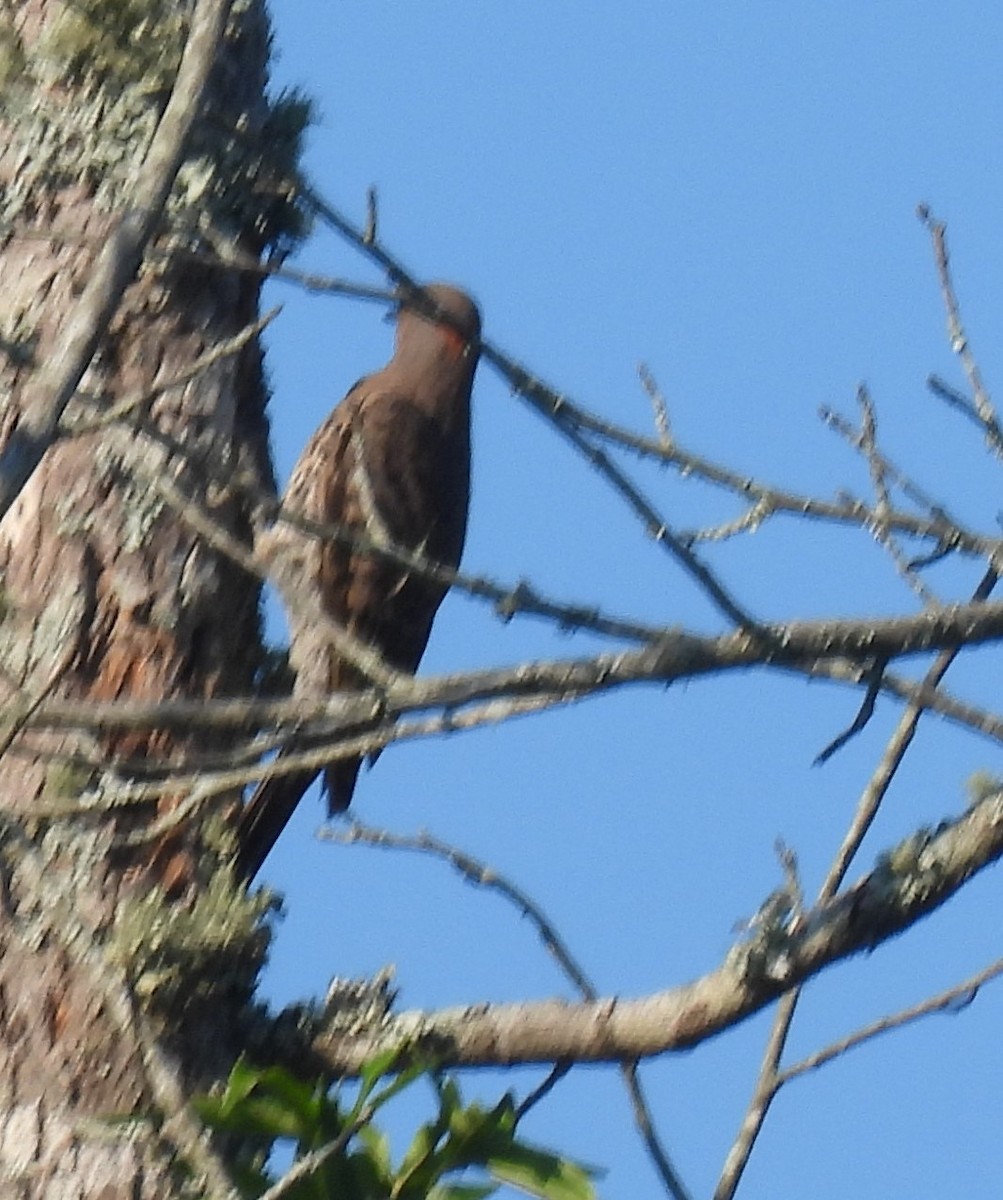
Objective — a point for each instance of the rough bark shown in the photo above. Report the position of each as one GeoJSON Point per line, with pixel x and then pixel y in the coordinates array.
{"type": "Point", "coordinates": [107, 593]}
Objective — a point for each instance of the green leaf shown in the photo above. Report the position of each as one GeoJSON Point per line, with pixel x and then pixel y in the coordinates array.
{"type": "Point", "coordinates": [250, 1181]}
{"type": "Point", "coordinates": [477, 1133]}
{"type": "Point", "coordinates": [243, 1080]}
{"type": "Point", "coordinates": [306, 1100]}
{"type": "Point", "coordinates": [422, 1146]}
{"type": "Point", "coordinates": [374, 1069]}
{"type": "Point", "coordinates": [462, 1191]}
{"type": "Point", "coordinates": [541, 1173]}
{"type": "Point", "coordinates": [402, 1081]}
{"type": "Point", "coordinates": [450, 1099]}
{"type": "Point", "coordinates": [265, 1117]}
{"type": "Point", "coordinates": [272, 1103]}
{"type": "Point", "coordinates": [269, 1103]}
{"type": "Point", "coordinates": [477, 1121]}
{"type": "Point", "coordinates": [369, 1178]}
{"type": "Point", "coordinates": [377, 1148]}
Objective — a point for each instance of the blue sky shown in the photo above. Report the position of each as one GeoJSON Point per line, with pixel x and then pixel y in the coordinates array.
{"type": "Point", "coordinates": [726, 192]}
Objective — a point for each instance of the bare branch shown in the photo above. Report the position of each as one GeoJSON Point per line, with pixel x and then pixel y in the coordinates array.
{"type": "Point", "coordinates": [330, 726]}
{"type": "Point", "coordinates": [674, 1186]}
{"type": "Point", "coordinates": [223, 254]}
{"type": "Point", "coordinates": [552, 1079]}
{"type": "Point", "coordinates": [319, 752]}
{"type": "Point", "coordinates": [901, 890]}
{"type": "Point", "coordinates": [985, 410]}
{"type": "Point", "coordinates": [655, 526]}
{"type": "Point", "coordinates": [659, 408]}
{"type": "Point", "coordinates": [920, 693]}
{"type": "Point", "coordinates": [951, 527]}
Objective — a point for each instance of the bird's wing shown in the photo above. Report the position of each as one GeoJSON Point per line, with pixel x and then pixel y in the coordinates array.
{"type": "Point", "coordinates": [381, 466]}
{"type": "Point", "coordinates": [378, 466]}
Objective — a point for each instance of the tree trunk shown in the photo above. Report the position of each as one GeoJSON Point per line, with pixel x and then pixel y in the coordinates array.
{"type": "Point", "coordinates": [113, 997]}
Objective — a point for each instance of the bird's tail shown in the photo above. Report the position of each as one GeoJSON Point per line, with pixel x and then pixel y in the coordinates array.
{"type": "Point", "coordinates": [263, 818]}
{"type": "Point", "coordinates": [339, 783]}
{"type": "Point", "coordinates": [273, 803]}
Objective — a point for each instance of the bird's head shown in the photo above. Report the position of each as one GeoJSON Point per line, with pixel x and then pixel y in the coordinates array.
{"type": "Point", "coordinates": [439, 328]}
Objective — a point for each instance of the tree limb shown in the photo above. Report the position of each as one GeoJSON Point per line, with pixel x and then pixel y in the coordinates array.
{"type": "Point", "coordinates": [909, 882]}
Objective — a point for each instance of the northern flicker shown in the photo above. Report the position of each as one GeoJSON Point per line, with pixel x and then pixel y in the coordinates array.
{"type": "Point", "coordinates": [393, 461]}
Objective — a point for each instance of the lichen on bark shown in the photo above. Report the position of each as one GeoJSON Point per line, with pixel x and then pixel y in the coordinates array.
{"type": "Point", "coordinates": [107, 592]}
{"type": "Point", "coordinates": [84, 96]}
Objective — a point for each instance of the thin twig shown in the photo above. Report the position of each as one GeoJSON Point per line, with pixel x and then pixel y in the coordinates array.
{"type": "Point", "coordinates": [952, 1000]}
{"type": "Point", "coordinates": [877, 466]}
{"type": "Point", "coordinates": [222, 254]}
{"type": "Point", "coordinates": [658, 529]}
{"type": "Point", "coordinates": [75, 425]}
{"type": "Point", "coordinates": [649, 1135]}
{"type": "Point", "coordinates": [333, 748]}
{"type": "Point", "coordinates": [511, 692]}
{"type": "Point", "coordinates": [681, 657]}
{"type": "Point", "coordinates": [860, 721]}
{"type": "Point", "coordinates": [509, 599]}
{"type": "Point", "coordinates": [478, 874]}
{"type": "Point", "coordinates": [984, 407]}
{"type": "Point", "coordinates": [658, 405]}
{"type": "Point", "coordinates": [950, 531]}
{"type": "Point", "coordinates": [31, 707]}
{"type": "Point", "coordinates": [954, 399]}
{"type": "Point", "coordinates": [551, 1080]}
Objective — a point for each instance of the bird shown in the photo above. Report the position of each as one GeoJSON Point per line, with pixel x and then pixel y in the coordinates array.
{"type": "Point", "coordinates": [392, 461]}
